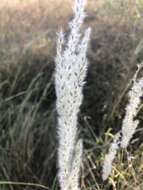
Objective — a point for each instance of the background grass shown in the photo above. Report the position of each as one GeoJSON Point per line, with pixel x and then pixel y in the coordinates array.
{"type": "Point", "coordinates": [28, 139]}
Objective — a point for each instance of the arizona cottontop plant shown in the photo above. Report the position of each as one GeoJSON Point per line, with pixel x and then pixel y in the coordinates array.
{"type": "Point", "coordinates": [70, 72]}
{"type": "Point", "coordinates": [129, 124]}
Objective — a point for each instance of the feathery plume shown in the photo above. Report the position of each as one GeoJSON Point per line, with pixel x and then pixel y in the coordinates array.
{"type": "Point", "coordinates": [70, 73]}
{"type": "Point", "coordinates": [109, 158]}
{"type": "Point", "coordinates": [130, 124]}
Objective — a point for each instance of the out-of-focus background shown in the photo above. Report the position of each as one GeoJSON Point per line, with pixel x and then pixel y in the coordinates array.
{"type": "Point", "coordinates": [28, 138]}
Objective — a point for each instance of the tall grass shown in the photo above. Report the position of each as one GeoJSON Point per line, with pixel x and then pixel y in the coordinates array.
{"type": "Point", "coordinates": [27, 98]}
{"type": "Point", "coordinates": [71, 69]}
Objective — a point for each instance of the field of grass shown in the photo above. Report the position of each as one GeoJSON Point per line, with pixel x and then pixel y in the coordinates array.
{"type": "Point", "coordinates": [28, 138]}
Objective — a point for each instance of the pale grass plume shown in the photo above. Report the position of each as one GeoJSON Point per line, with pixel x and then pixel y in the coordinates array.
{"type": "Point", "coordinates": [70, 73]}
{"type": "Point", "coordinates": [109, 158]}
{"type": "Point", "coordinates": [130, 124]}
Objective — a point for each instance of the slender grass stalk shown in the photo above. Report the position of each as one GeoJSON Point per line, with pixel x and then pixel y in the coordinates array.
{"type": "Point", "coordinates": [23, 184]}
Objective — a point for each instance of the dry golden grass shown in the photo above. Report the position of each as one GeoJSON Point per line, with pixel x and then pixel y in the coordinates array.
{"type": "Point", "coordinates": [34, 23]}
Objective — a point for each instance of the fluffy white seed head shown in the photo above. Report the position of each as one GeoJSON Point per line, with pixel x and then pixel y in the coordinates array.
{"type": "Point", "coordinates": [109, 158]}
{"type": "Point", "coordinates": [70, 73]}
{"type": "Point", "coordinates": [129, 124]}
